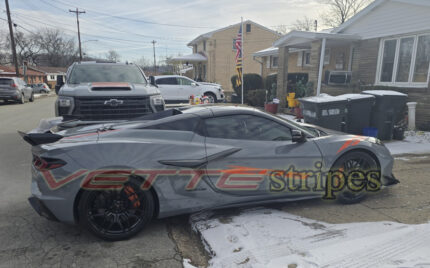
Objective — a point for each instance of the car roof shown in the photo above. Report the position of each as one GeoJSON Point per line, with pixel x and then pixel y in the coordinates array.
{"type": "Point", "coordinates": [102, 63]}
{"type": "Point", "coordinates": [169, 76]}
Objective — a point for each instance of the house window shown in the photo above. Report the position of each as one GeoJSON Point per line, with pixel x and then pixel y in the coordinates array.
{"type": "Point", "coordinates": [52, 77]}
{"type": "Point", "coordinates": [307, 58]}
{"type": "Point", "coordinates": [327, 56]}
{"type": "Point", "coordinates": [404, 61]}
{"type": "Point", "coordinates": [234, 43]}
{"type": "Point", "coordinates": [274, 61]}
{"type": "Point", "coordinates": [204, 45]}
{"type": "Point", "coordinates": [248, 28]}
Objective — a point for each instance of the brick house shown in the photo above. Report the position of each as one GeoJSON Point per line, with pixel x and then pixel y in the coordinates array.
{"type": "Point", "coordinates": [385, 46]}
{"type": "Point", "coordinates": [214, 53]}
{"type": "Point", "coordinates": [32, 76]}
{"type": "Point", "coordinates": [50, 74]}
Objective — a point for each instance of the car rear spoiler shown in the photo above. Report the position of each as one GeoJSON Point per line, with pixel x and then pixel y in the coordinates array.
{"type": "Point", "coordinates": [40, 138]}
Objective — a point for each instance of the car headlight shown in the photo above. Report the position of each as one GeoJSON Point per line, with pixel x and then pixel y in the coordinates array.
{"type": "Point", "coordinates": [65, 101]}
{"type": "Point", "coordinates": [375, 141]}
{"type": "Point", "coordinates": [157, 100]}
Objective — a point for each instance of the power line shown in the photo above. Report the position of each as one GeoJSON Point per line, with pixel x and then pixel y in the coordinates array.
{"type": "Point", "coordinates": [138, 20]}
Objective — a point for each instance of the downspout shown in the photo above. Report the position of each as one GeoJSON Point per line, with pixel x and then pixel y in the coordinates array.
{"type": "Point", "coordinates": [324, 41]}
{"type": "Point", "coordinates": [261, 65]}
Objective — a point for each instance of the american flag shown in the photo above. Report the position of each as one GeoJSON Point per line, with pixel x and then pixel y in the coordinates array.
{"type": "Point", "coordinates": [238, 46]}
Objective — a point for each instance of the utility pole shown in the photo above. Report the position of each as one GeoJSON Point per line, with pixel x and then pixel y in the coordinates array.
{"type": "Point", "coordinates": [79, 31]}
{"type": "Point", "coordinates": [12, 38]}
{"type": "Point", "coordinates": [155, 62]}
{"type": "Point", "coordinates": [316, 25]}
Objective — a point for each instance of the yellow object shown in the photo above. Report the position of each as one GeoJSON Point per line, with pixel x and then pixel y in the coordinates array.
{"type": "Point", "coordinates": [292, 102]}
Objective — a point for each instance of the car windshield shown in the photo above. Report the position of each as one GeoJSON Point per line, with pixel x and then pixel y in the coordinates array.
{"type": "Point", "coordinates": [106, 73]}
{"type": "Point", "coordinates": [6, 82]}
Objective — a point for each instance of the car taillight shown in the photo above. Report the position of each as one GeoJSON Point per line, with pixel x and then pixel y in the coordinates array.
{"type": "Point", "coordinates": [44, 86]}
{"type": "Point", "coordinates": [43, 164]}
{"type": "Point", "coordinates": [14, 85]}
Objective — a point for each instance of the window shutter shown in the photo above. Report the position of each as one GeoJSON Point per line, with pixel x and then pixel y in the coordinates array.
{"type": "Point", "coordinates": [268, 62]}
{"type": "Point", "coordinates": [300, 59]}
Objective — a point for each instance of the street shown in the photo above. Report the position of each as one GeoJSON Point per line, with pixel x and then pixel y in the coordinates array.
{"type": "Point", "coordinates": [30, 240]}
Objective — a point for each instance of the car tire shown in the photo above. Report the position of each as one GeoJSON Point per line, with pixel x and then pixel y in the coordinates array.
{"type": "Point", "coordinates": [211, 96]}
{"type": "Point", "coordinates": [353, 161]}
{"type": "Point", "coordinates": [108, 213]}
{"type": "Point", "coordinates": [31, 97]}
{"type": "Point", "coordinates": [22, 100]}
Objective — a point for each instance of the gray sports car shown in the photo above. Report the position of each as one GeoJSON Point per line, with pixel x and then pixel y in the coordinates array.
{"type": "Point", "coordinates": [113, 178]}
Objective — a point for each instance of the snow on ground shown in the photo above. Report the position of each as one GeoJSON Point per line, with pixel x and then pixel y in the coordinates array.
{"type": "Point", "coordinates": [414, 143]}
{"type": "Point", "coordinates": [270, 238]}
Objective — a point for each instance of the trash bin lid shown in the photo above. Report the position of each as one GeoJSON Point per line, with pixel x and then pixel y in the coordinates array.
{"type": "Point", "coordinates": [357, 96]}
{"type": "Point", "coordinates": [323, 98]}
{"type": "Point", "coordinates": [381, 93]}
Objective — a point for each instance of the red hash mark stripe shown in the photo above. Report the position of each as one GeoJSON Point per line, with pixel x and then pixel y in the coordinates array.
{"type": "Point", "coordinates": [352, 142]}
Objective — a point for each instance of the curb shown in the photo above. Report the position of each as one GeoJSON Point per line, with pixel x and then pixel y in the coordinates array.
{"type": "Point", "coordinates": [39, 96]}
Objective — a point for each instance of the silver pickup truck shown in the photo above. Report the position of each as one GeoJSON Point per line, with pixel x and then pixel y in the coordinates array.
{"type": "Point", "coordinates": [95, 91]}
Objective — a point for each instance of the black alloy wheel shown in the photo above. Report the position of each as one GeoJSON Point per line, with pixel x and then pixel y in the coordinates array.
{"type": "Point", "coordinates": [116, 214]}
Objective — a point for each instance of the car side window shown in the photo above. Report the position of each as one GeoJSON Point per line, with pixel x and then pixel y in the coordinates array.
{"type": "Point", "coordinates": [166, 81]}
{"type": "Point", "coordinates": [246, 127]}
{"type": "Point", "coordinates": [184, 81]}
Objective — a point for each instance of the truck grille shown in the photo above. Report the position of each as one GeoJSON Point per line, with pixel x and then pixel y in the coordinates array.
{"type": "Point", "coordinates": [111, 108]}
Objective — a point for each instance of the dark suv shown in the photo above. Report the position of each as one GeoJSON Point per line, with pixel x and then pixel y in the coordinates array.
{"type": "Point", "coordinates": [106, 91]}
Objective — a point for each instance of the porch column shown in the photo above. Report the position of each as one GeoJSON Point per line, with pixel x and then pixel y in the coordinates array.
{"type": "Point", "coordinates": [321, 67]}
{"type": "Point", "coordinates": [281, 90]}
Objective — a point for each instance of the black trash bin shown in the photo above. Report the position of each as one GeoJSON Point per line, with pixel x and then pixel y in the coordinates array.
{"type": "Point", "coordinates": [325, 111]}
{"type": "Point", "coordinates": [359, 112]}
{"type": "Point", "coordinates": [389, 109]}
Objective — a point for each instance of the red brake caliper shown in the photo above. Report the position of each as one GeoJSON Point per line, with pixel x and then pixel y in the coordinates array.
{"type": "Point", "coordinates": [132, 196]}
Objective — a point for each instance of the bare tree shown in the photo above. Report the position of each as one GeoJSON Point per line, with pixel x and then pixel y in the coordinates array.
{"type": "Point", "coordinates": [27, 48]}
{"type": "Point", "coordinates": [112, 55]}
{"type": "Point", "coordinates": [143, 62]}
{"type": "Point", "coordinates": [282, 29]}
{"type": "Point", "coordinates": [340, 11]}
{"type": "Point", "coordinates": [56, 48]}
{"type": "Point", "coordinates": [304, 24]}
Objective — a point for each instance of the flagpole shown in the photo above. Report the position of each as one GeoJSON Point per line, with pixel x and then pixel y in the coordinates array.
{"type": "Point", "coordinates": [243, 55]}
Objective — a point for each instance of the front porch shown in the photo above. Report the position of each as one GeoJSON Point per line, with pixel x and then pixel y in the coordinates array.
{"type": "Point", "coordinates": [327, 58]}
{"type": "Point", "coordinates": [194, 66]}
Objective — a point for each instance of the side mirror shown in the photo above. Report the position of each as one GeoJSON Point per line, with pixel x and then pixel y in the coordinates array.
{"type": "Point", "coordinates": [60, 83]}
{"type": "Point", "coordinates": [194, 84]}
{"type": "Point", "coordinates": [152, 80]}
{"type": "Point", "coordinates": [298, 136]}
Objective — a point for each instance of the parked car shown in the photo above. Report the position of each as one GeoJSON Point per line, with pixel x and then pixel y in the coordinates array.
{"type": "Point", "coordinates": [106, 91]}
{"type": "Point", "coordinates": [15, 89]}
{"type": "Point", "coordinates": [178, 89]}
{"type": "Point", "coordinates": [114, 178]}
{"type": "Point", "coordinates": [40, 88]}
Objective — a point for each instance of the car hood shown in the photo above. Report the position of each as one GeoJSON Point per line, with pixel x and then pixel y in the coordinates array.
{"type": "Point", "coordinates": [107, 89]}
{"type": "Point", "coordinates": [210, 84]}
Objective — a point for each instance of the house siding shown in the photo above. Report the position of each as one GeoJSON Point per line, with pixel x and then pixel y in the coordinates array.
{"type": "Point", "coordinates": [391, 18]}
{"type": "Point", "coordinates": [221, 65]}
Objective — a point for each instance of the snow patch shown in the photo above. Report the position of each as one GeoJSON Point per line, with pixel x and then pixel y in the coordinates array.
{"type": "Point", "coordinates": [414, 143]}
{"type": "Point", "coordinates": [270, 238]}
{"type": "Point", "coordinates": [384, 93]}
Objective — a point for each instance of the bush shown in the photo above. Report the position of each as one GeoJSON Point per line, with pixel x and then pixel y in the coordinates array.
{"type": "Point", "coordinates": [271, 85]}
{"type": "Point", "coordinates": [256, 97]}
{"type": "Point", "coordinates": [251, 82]}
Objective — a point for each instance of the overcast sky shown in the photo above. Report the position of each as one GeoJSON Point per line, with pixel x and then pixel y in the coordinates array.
{"type": "Point", "coordinates": [123, 25]}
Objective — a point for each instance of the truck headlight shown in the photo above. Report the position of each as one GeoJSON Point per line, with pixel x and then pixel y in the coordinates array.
{"type": "Point", "coordinates": [157, 100]}
{"type": "Point", "coordinates": [65, 101]}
